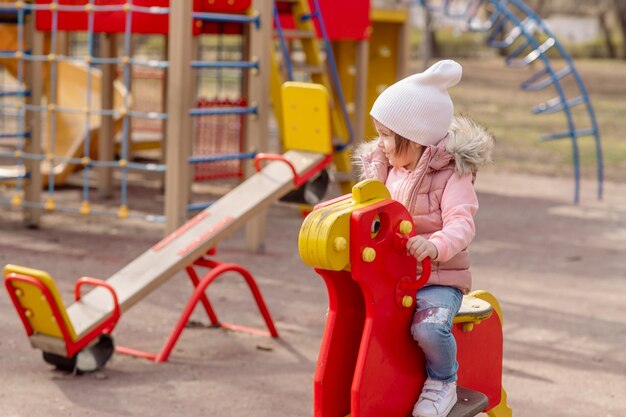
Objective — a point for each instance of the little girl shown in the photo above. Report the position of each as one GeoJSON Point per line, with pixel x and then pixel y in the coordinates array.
{"type": "Point", "coordinates": [428, 160]}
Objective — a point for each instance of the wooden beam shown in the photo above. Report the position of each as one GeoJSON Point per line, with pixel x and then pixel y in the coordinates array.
{"type": "Point", "coordinates": [34, 82]}
{"type": "Point", "coordinates": [256, 129]}
{"type": "Point", "coordinates": [361, 112]}
{"type": "Point", "coordinates": [106, 141]}
{"type": "Point", "coordinates": [179, 102]}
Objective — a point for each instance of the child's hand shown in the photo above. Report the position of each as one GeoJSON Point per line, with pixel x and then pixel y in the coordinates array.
{"type": "Point", "coordinates": [378, 154]}
{"type": "Point", "coordinates": [421, 248]}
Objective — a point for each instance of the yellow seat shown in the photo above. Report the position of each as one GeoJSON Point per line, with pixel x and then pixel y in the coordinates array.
{"type": "Point", "coordinates": [473, 310]}
{"type": "Point", "coordinates": [39, 305]}
{"type": "Point", "coordinates": [37, 308]}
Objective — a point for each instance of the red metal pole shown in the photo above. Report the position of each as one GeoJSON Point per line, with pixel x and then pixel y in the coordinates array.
{"type": "Point", "coordinates": [205, 301]}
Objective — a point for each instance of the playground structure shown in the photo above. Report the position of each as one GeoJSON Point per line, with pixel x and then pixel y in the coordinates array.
{"type": "Point", "coordinates": [37, 47]}
{"type": "Point", "coordinates": [369, 365]}
{"type": "Point", "coordinates": [35, 53]}
{"type": "Point", "coordinates": [65, 332]}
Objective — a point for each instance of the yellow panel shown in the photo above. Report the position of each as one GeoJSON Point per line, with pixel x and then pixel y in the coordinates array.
{"type": "Point", "coordinates": [383, 65]}
{"type": "Point", "coordinates": [320, 241]}
{"type": "Point", "coordinates": [369, 190]}
{"type": "Point", "coordinates": [389, 15]}
{"type": "Point", "coordinates": [276, 81]}
{"type": "Point", "coordinates": [306, 118]}
{"type": "Point", "coordinates": [31, 298]}
{"type": "Point", "coordinates": [343, 163]}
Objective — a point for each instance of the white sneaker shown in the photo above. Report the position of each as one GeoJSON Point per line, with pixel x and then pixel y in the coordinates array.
{"type": "Point", "coordinates": [436, 400]}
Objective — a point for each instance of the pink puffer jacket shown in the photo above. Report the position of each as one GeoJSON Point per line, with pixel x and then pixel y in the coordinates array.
{"type": "Point", "coordinates": [439, 194]}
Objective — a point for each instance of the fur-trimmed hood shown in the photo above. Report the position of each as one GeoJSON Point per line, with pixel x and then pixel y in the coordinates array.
{"type": "Point", "coordinates": [469, 143]}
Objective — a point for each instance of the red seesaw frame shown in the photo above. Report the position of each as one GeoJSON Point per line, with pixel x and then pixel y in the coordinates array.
{"type": "Point", "coordinates": [216, 270]}
{"type": "Point", "coordinates": [298, 180]}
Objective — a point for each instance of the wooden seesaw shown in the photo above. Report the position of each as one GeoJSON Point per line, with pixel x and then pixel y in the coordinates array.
{"type": "Point", "coordinates": [81, 330]}
{"type": "Point", "coordinates": [369, 365]}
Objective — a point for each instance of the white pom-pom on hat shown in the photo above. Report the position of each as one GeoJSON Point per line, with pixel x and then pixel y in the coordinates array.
{"type": "Point", "coordinates": [419, 107]}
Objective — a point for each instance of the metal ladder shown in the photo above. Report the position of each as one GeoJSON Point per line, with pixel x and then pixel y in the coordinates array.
{"type": "Point", "coordinates": [514, 26]}
{"type": "Point", "coordinates": [251, 65]}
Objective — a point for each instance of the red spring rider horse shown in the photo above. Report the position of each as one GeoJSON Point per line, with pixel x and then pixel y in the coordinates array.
{"type": "Point", "coordinates": [369, 365]}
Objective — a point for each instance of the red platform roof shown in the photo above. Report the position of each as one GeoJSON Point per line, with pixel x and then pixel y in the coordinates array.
{"type": "Point", "coordinates": [146, 23]}
{"type": "Point", "coordinates": [344, 19]}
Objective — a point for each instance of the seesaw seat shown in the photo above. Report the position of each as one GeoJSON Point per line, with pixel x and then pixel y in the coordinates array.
{"type": "Point", "coordinates": [473, 310]}
{"type": "Point", "coordinates": [39, 305]}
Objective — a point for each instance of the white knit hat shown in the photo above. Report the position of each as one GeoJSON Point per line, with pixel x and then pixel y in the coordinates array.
{"type": "Point", "coordinates": [419, 107]}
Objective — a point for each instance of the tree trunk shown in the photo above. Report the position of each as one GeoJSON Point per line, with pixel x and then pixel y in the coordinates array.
{"type": "Point", "coordinates": [620, 12]}
{"type": "Point", "coordinates": [430, 49]}
{"type": "Point", "coordinates": [606, 32]}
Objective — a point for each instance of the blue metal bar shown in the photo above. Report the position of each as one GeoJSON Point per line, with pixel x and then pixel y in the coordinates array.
{"type": "Point", "coordinates": [147, 115]}
{"type": "Point", "coordinates": [23, 155]}
{"type": "Point", "coordinates": [535, 84]}
{"type": "Point", "coordinates": [532, 55]}
{"type": "Point", "coordinates": [222, 110]}
{"type": "Point", "coordinates": [494, 18]}
{"type": "Point", "coordinates": [152, 63]}
{"type": "Point", "coordinates": [228, 18]}
{"type": "Point", "coordinates": [554, 105]}
{"type": "Point", "coordinates": [512, 36]}
{"type": "Point", "coordinates": [330, 56]}
{"type": "Point", "coordinates": [106, 112]}
{"type": "Point", "coordinates": [519, 49]}
{"type": "Point", "coordinates": [14, 177]}
{"type": "Point", "coordinates": [283, 45]}
{"type": "Point", "coordinates": [569, 134]}
{"type": "Point", "coordinates": [25, 135]}
{"type": "Point", "coordinates": [25, 93]}
{"type": "Point", "coordinates": [216, 158]}
{"type": "Point", "coordinates": [146, 167]}
{"type": "Point", "coordinates": [224, 64]}
{"type": "Point", "coordinates": [199, 206]}
{"type": "Point", "coordinates": [131, 8]}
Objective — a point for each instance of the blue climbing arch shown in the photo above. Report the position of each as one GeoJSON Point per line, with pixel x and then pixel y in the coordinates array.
{"type": "Point", "coordinates": [512, 25]}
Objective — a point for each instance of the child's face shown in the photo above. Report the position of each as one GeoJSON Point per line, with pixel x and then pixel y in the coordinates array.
{"type": "Point", "coordinates": [407, 159]}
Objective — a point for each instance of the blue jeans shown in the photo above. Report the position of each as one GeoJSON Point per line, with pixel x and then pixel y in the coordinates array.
{"type": "Point", "coordinates": [436, 306]}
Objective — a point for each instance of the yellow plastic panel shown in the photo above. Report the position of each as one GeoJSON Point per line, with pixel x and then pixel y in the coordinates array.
{"type": "Point", "coordinates": [385, 64]}
{"type": "Point", "coordinates": [368, 190]}
{"type": "Point", "coordinates": [324, 240]}
{"type": "Point", "coordinates": [389, 15]}
{"type": "Point", "coordinates": [306, 117]}
{"type": "Point", "coordinates": [41, 317]}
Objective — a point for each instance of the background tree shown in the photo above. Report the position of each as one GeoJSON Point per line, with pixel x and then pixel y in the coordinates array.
{"type": "Point", "coordinates": [620, 14]}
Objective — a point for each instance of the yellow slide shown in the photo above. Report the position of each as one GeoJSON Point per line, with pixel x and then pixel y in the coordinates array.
{"type": "Point", "coordinates": [71, 92]}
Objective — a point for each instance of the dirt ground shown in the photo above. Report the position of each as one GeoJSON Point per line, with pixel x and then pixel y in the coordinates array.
{"type": "Point", "coordinates": [559, 271]}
